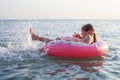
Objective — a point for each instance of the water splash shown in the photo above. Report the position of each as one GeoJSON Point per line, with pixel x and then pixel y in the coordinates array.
{"type": "Point", "coordinates": [20, 47]}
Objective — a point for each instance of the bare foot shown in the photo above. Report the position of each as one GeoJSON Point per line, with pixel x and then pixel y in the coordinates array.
{"type": "Point", "coordinates": [36, 37]}
{"type": "Point", "coordinates": [33, 34]}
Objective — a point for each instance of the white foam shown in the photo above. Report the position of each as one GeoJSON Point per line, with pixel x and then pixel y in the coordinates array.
{"type": "Point", "coordinates": [4, 50]}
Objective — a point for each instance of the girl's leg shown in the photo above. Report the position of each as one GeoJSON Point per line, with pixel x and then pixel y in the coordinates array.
{"type": "Point", "coordinates": [36, 37]}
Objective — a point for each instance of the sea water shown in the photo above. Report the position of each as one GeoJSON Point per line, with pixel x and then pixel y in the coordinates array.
{"type": "Point", "coordinates": [21, 58]}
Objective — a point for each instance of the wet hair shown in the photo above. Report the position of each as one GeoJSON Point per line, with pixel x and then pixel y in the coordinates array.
{"type": "Point", "coordinates": [89, 27]}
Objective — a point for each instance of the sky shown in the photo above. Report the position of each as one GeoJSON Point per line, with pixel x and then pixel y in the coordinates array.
{"type": "Point", "coordinates": [59, 9]}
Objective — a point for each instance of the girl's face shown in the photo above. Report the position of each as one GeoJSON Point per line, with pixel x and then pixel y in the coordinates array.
{"type": "Point", "coordinates": [83, 33]}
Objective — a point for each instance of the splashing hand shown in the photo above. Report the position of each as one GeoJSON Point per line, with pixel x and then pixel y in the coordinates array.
{"type": "Point", "coordinates": [77, 35]}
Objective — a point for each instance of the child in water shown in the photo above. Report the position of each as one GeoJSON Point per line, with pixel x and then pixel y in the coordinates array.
{"type": "Point", "coordinates": [87, 32]}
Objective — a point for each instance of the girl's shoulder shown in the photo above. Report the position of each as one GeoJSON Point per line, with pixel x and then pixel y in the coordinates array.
{"type": "Point", "coordinates": [88, 39]}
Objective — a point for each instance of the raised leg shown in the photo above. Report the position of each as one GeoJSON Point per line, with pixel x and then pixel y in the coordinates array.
{"type": "Point", "coordinates": [36, 37]}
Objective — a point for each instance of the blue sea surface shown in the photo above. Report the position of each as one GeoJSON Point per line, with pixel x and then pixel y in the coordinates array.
{"type": "Point", "coordinates": [21, 59]}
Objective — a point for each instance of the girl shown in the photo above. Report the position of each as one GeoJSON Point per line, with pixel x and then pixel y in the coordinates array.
{"type": "Point", "coordinates": [87, 32]}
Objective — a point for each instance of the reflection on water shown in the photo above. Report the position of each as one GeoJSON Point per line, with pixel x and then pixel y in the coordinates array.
{"type": "Point", "coordinates": [52, 69]}
{"type": "Point", "coordinates": [89, 66]}
{"type": "Point", "coordinates": [77, 66]}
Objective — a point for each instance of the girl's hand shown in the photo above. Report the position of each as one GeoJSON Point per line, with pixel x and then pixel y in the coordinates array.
{"type": "Point", "coordinates": [77, 35]}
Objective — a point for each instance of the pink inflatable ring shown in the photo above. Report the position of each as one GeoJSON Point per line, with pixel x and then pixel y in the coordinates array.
{"type": "Point", "coordinates": [69, 49]}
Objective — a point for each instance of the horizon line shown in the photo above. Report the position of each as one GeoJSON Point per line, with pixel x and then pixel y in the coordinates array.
{"type": "Point", "coordinates": [56, 19]}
